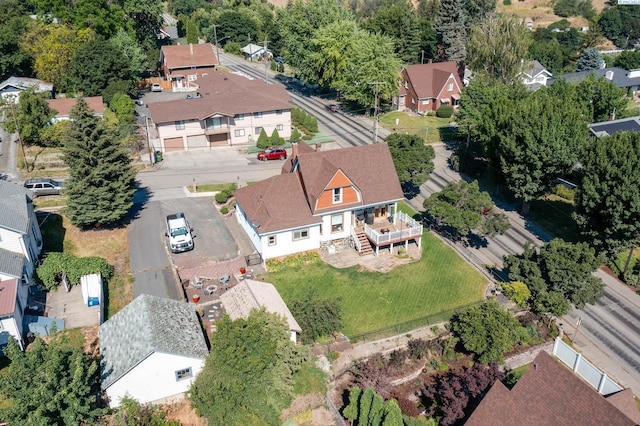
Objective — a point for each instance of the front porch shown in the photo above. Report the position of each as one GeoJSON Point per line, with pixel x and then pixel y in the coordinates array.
{"type": "Point", "coordinates": [397, 229]}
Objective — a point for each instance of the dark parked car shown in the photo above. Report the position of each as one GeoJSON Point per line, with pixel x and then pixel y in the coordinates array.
{"type": "Point", "coordinates": [332, 108]}
{"type": "Point", "coordinates": [280, 60]}
{"type": "Point", "coordinates": [43, 187]}
{"type": "Point", "coordinates": [272, 154]}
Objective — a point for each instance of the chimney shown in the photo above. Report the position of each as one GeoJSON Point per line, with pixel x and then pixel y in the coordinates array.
{"type": "Point", "coordinates": [294, 150]}
{"type": "Point", "coordinates": [609, 75]}
{"type": "Point", "coordinates": [191, 48]}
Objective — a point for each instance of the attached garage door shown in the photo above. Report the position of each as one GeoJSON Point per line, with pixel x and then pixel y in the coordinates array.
{"type": "Point", "coordinates": [218, 140]}
{"type": "Point", "coordinates": [197, 141]}
{"type": "Point", "coordinates": [173, 144]}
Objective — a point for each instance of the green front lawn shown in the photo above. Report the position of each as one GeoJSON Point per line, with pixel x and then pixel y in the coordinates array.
{"type": "Point", "coordinates": [553, 214]}
{"type": "Point", "coordinates": [439, 281]}
{"type": "Point", "coordinates": [439, 129]}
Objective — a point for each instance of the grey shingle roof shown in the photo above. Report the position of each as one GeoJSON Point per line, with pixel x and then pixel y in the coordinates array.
{"type": "Point", "coordinates": [14, 210]}
{"type": "Point", "coordinates": [619, 76]}
{"type": "Point", "coordinates": [609, 128]}
{"type": "Point", "coordinates": [11, 263]}
{"type": "Point", "coordinates": [147, 325]}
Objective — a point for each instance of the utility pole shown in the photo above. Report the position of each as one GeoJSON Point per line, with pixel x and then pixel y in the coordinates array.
{"type": "Point", "coordinates": [15, 122]}
{"type": "Point", "coordinates": [265, 61]}
{"type": "Point", "coordinates": [375, 111]}
{"type": "Point", "coordinates": [215, 36]}
{"type": "Point", "coordinates": [146, 123]}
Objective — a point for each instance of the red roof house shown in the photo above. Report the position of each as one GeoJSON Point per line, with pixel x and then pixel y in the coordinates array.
{"type": "Point", "coordinates": [183, 64]}
{"type": "Point", "coordinates": [63, 106]}
{"type": "Point", "coordinates": [426, 87]}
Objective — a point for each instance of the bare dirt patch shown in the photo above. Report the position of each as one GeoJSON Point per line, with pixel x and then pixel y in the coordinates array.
{"type": "Point", "coordinates": [183, 413]}
{"type": "Point", "coordinates": [309, 410]}
{"type": "Point", "coordinates": [541, 12]}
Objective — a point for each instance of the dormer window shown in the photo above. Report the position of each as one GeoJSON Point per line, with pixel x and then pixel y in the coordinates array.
{"type": "Point", "coordinates": [337, 195]}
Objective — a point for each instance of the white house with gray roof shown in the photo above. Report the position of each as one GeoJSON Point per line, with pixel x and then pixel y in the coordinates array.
{"type": "Point", "coordinates": [20, 246]}
{"type": "Point", "coordinates": [534, 75]}
{"type": "Point", "coordinates": [11, 88]}
{"type": "Point", "coordinates": [151, 350]}
{"type": "Point", "coordinates": [239, 301]}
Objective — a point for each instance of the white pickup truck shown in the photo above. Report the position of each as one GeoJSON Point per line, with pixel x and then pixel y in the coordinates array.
{"type": "Point", "coordinates": [179, 233]}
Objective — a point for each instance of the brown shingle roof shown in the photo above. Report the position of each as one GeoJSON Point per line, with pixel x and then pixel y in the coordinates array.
{"type": "Point", "coordinates": [63, 107]}
{"type": "Point", "coordinates": [429, 79]}
{"type": "Point", "coordinates": [276, 203]}
{"type": "Point", "coordinates": [8, 291]}
{"type": "Point", "coordinates": [546, 394]}
{"type": "Point", "coordinates": [279, 202]}
{"type": "Point", "coordinates": [189, 55]}
{"type": "Point", "coordinates": [369, 167]}
{"type": "Point", "coordinates": [225, 94]}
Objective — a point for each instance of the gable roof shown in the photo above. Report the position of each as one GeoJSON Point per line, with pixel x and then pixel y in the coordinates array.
{"type": "Point", "coordinates": [534, 68]}
{"type": "Point", "coordinates": [429, 79]}
{"type": "Point", "coordinates": [240, 300]}
{"type": "Point", "coordinates": [225, 94]}
{"type": "Point", "coordinates": [63, 106]}
{"type": "Point", "coordinates": [8, 292]}
{"type": "Point", "coordinates": [547, 394]}
{"type": "Point", "coordinates": [145, 326]}
{"type": "Point", "coordinates": [23, 83]}
{"type": "Point", "coordinates": [251, 49]}
{"type": "Point", "coordinates": [622, 78]}
{"type": "Point", "coordinates": [11, 263]}
{"type": "Point", "coordinates": [189, 55]}
{"type": "Point", "coordinates": [14, 207]}
{"type": "Point", "coordinates": [611, 127]}
{"type": "Point", "coordinates": [288, 200]}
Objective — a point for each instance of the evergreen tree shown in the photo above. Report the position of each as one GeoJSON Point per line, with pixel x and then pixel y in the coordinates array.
{"type": "Point", "coordinates": [591, 59]}
{"type": "Point", "coordinates": [295, 135]}
{"type": "Point", "coordinates": [101, 178]}
{"type": "Point", "coordinates": [192, 32]}
{"type": "Point", "coordinates": [263, 140]}
{"type": "Point", "coordinates": [451, 30]}
{"type": "Point", "coordinates": [275, 138]}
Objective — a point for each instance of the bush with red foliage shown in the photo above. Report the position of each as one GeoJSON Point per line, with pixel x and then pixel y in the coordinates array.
{"type": "Point", "coordinates": [454, 394]}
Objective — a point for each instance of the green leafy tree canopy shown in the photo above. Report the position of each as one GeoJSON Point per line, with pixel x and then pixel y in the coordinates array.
{"type": "Point", "coordinates": [412, 158]}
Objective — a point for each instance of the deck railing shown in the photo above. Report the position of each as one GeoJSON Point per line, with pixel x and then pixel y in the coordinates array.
{"type": "Point", "coordinates": [409, 229]}
{"type": "Point", "coordinates": [356, 241]}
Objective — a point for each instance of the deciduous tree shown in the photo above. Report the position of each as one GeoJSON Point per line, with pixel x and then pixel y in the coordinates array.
{"type": "Point", "coordinates": [66, 389]}
{"type": "Point", "coordinates": [602, 98]}
{"type": "Point", "coordinates": [94, 66]}
{"type": "Point", "coordinates": [247, 377]}
{"type": "Point", "coordinates": [412, 158]}
{"type": "Point", "coordinates": [317, 317]}
{"type": "Point", "coordinates": [497, 47]}
{"type": "Point", "coordinates": [607, 202]}
{"type": "Point", "coordinates": [100, 187]}
{"type": "Point", "coordinates": [32, 116]}
{"type": "Point", "coordinates": [486, 330]}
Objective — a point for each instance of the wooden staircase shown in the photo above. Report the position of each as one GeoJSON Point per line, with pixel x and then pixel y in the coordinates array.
{"type": "Point", "coordinates": [365, 244]}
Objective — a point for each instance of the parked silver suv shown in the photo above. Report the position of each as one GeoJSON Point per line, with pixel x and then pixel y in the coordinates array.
{"type": "Point", "coordinates": [43, 187]}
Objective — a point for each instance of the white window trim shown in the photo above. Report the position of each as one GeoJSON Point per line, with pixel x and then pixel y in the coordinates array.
{"type": "Point", "coordinates": [341, 225]}
{"type": "Point", "coordinates": [450, 87]}
{"type": "Point", "coordinates": [279, 127]}
{"type": "Point", "coordinates": [299, 233]}
{"type": "Point", "coordinates": [272, 240]}
{"type": "Point", "coordinates": [188, 373]}
{"type": "Point", "coordinates": [336, 195]}
{"type": "Point", "coordinates": [180, 125]}
{"type": "Point", "coordinates": [258, 130]}
{"type": "Point", "coordinates": [238, 132]}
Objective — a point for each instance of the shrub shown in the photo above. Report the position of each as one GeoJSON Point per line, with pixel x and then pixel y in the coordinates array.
{"type": "Point", "coordinates": [518, 292]}
{"type": "Point", "coordinates": [224, 210]}
{"type": "Point", "coordinates": [50, 271]}
{"type": "Point", "coordinates": [275, 138]}
{"type": "Point", "coordinates": [263, 140]}
{"type": "Point", "coordinates": [273, 66]}
{"type": "Point", "coordinates": [233, 48]}
{"type": "Point", "coordinates": [507, 2]}
{"type": "Point", "coordinates": [445, 111]}
{"type": "Point", "coordinates": [223, 196]}
{"type": "Point", "coordinates": [564, 192]}
{"type": "Point", "coordinates": [417, 348]}
{"type": "Point", "coordinates": [295, 136]}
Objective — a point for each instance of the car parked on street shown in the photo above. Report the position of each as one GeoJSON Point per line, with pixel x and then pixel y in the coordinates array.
{"type": "Point", "coordinates": [155, 87]}
{"type": "Point", "coordinates": [332, 107]}
{"type": "Point", "coordinates": [272, 154]}
{"type": "Point", "coordinates": [43, 186]}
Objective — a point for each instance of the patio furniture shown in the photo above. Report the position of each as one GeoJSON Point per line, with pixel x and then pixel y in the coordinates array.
{"type": "Point", "coordinates": [197, 282]}
{"type": "Point", "coordinates": [225, 280]}
{"type": "Point", "coordinates": [210, 290]}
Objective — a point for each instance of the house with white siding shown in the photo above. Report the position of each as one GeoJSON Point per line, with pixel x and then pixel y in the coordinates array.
{"type": "Point", "coordinates": [151, 351]}
{"type": "Point", "coordinates": [20, 246]}
{"type": "Point", "coordinates": [326, 198]}
{"type": "Point", "coordinates": [230, 110]}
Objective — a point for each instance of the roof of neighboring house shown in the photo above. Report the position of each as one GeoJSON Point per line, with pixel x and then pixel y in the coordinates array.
{"type": "Point", "coordinates": [619, 76]}
{"type": "Point", "coordinates": [547, 394]}
{"type": "Point", "coordinates": [63, 106]}
{"type": "Point", "coordinates": [609, 128]}
{"type": "Point", "coordinates": [287, 201]}
{"type": "Point", "coordinates": [23, 83]}
{"type": "Point", "coordinates": [251, 48]}
{"type": "Point", "coordinates": [225, 94]}
{"type": "Point", "coordinates": [429, 79]}
{"type": "Point", "coordinates": [248, 295]}
{"type": "Point", "coordinates": [145, 326]}
{"type": "Point", "coordinates": [14, 207]}
{"type": "Point", "coordinates": [533, 68]}
{"type": "Point", "coordinates": [11, 263]}
{"type": "Point", "coordinates": [189, 55]}
{"type": "Point", "coordinates": [8, 292]}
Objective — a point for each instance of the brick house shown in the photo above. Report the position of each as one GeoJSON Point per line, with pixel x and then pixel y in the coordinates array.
{"type": "Point", "coordinates": [183, 64]}
{"type": "Point", "coordinates": [426, 87]}
{"type": "Point", "coordinates": [229, 110]}
{"type": "Point", "coordinates": [324, 198]}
